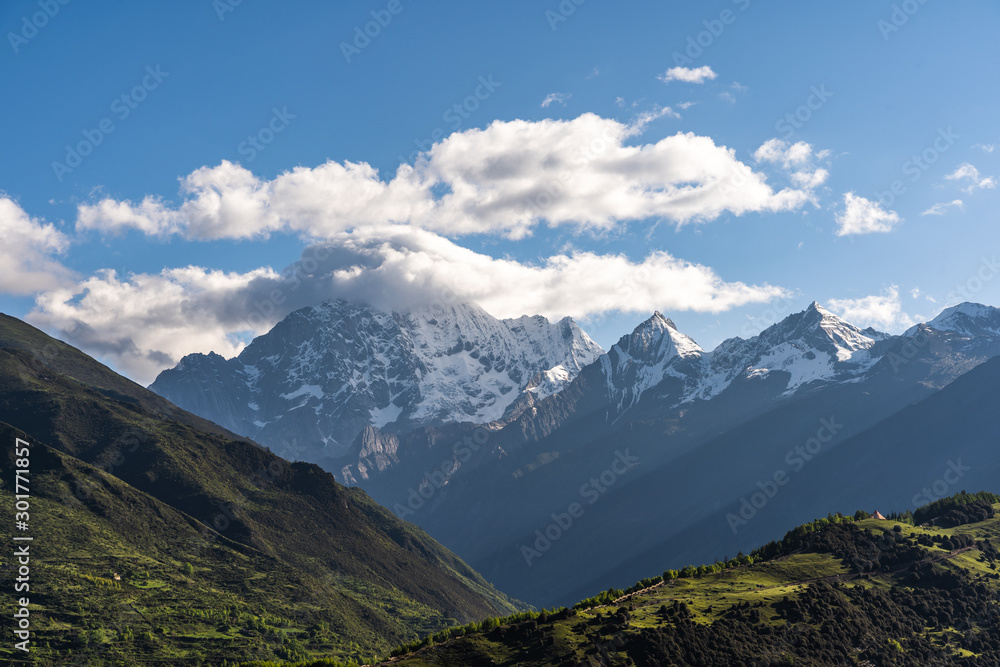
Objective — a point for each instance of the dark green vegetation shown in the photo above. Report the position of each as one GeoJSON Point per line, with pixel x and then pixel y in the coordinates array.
{"type": "Point", "coordinates": [954, 511]}
{"type": "Point", "coordinates": [837, 591]}
{"type": "Point", "coordinates": [160, 534]}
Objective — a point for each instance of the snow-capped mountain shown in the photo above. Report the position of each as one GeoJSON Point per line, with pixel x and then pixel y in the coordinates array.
{"type": "Point", "coordinates": [811, 346]}
{"type": "Point", "coordinates": [657, 370]}
{"type": "Point", "coordinates": [323, 374]}
{"type": "Point", "coordinates": [641, 360]}
{"type": "Point", "coordinates": [967, 319]}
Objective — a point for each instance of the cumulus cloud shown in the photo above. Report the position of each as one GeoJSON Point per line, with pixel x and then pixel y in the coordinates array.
{"type": "Point", "coordinates": [228, 201]}
{"type": "Point", "coordinates": [809, 180]}
{"type": "Point", "coordinates": [145, 323]}
{"type": "Point", "coordinates": [942, 207]}
{"type": "Point", "coordinates": [882, 311]}
{"type": "Point", "coordinates": [862, 216]}
{"type": "Point", "coordinates": [797, 160]}
{"type": "Point", "coordinates": [556, 98]}
{"type": "Point", "coordinates": [28, 247]}
{"type": "Point", "coordinates": [506, 178]}
{"type": "Point", "coordinates": [968, 178]}
{"type": "Point", "coordinates": [688, 74]}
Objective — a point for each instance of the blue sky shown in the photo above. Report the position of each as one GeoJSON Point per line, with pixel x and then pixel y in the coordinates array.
{"type": "Point", "coordinates": [637, 157]}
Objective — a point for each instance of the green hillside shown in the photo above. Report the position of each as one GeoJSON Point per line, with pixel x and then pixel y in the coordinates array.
{"type": "Point", "coordinates": [840, 591]}
{"type": "Point", "coordinates": [160, 538]}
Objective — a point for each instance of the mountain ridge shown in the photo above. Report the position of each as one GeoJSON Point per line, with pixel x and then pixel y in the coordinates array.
{"type": "Point", "coordinates": [354, 366]}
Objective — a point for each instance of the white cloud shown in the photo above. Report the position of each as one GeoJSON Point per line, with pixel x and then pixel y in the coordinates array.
{"type": "Point", "coordinates": [788, 155]}
{"type": "Point", "coordinates": [556, 98]}
{"type": "Point", "coordinates": [638, 126]}
{"type": "Point", "coordinates": [882, 311]}
{"type": "Point", "coordinates": [809, 180]}
{"type": "Point", "coordinates": [986, 148]}
{"type": "Point", "coordinates": [942, 207]}
{"type": "Point", "coordinates": [145, 323]}
{"type": "Point", "coordinates": [506, 178]}
{"type": "Point", "coordinates": [27, 250]}
{"type": "Point", "coordinates": [150, 216]}
{"type": "Point", "coordinates": [797, 160]}
{"type": "Point", "coordinates": [969, 176]}
{"type": "Point", "coordinates": [862, 216]}
{"type": "Point", "coordinates": [688, 74]}
{"type": "Point", "coordinates": [228, 201]}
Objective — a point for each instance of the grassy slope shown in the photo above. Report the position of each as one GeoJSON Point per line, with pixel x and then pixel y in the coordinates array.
{"type": "Point", "coordinates": [284, 560]}
{"type": "Point", "coordinates": [619, 634]}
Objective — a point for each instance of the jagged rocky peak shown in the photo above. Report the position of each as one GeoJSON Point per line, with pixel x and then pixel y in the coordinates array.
{"type": "Point", "coordinates": [816, 327]}
{"type": "Point", "coordinates": [811, 345]}
{"type": "Point", "coordinates": [655, 340]}
{"type": "Point", "coordinates": [641, 360]}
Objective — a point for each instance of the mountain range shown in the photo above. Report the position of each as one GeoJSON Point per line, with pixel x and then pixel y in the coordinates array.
{"type": "Point", "coordinates": [310, 386]}
{"type": "Point", "coordinates": [702, 431]}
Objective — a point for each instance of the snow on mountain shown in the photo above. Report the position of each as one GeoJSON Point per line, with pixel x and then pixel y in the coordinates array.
{"type": "Point", "coordinates": [325, 373]}
{"type": "Point", "coordinates": [966, 319]}
{"type": "Point", "coordinates": [641, 360]}
{"type": "Point", "coordinates": [814, 345]}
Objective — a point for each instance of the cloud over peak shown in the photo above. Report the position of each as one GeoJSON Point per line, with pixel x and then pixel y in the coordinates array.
{"type": "Point", "coordinates": [147, 322]}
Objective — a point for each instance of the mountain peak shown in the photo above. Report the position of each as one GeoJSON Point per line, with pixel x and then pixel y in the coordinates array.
{"type": "Point", "coordinates": [968, 319]}
{"type": "Point", "coordinates": [969, 309]}
{"type": "Point", "coordinates": [659, 318]}
{"type": "Point", "coordinates": [657, 322]}
{"type": "Point", "coordinates": [348, 365]}
{"type": "Point", "coordinates": [814, 344]}
{"type": "Point", "coordinates": [652, 333]}
{"type": "Point", "coordinates": [817, 320]}
{"type": "Point", "coordinates": [817, 309]}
